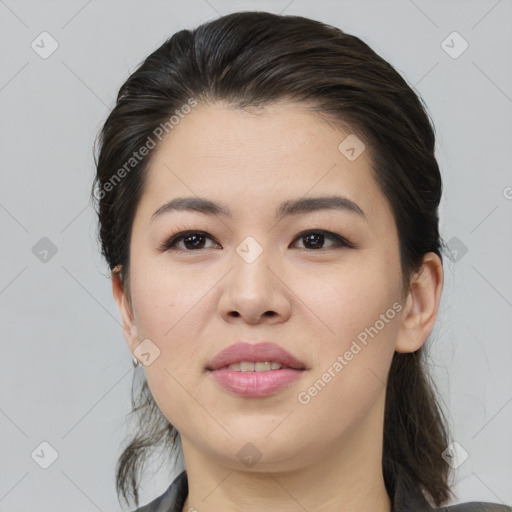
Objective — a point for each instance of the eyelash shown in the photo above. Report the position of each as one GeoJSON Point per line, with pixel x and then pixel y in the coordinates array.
{"type": "Point", "coordinates": [179, 235]}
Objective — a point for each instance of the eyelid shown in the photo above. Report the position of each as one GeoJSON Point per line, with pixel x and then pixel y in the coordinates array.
{"type": "Point", "coordinates": [340, 241]}
{"type": "Point", "coordinates": [178, 233]}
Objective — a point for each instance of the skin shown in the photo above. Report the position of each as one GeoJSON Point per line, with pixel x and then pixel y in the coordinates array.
{"type": "Point", "coordinates": [321, 456]}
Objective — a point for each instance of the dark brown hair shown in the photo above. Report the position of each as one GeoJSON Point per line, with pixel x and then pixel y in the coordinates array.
{"type": "Point", "coordinates": [252, 59]}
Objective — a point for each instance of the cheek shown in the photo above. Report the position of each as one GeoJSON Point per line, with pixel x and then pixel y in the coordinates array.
{"type": "Point", "coordinates": [355, 348]}
{"type": "Point", "coordinates": [168, 305]}
{"type": "Point", "coordinates": [170, 311]}
{"type": "Point", "coordinates": [164, 298]}
{"type": "Point", "coordinates": [353, 298]}
{"type": "Point", "coordinates": [360, 309]}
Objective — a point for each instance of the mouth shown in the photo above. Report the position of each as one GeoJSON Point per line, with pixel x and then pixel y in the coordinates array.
{"type": "Point", "coordinates": [256, 366]}
{"type": "Point", "coordinates": [259, 357]}
{"type": "Point", "coordinates": [255, 370]}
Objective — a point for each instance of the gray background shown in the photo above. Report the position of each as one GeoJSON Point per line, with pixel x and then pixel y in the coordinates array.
{"type": "Point", "coordinates": [65, 369]}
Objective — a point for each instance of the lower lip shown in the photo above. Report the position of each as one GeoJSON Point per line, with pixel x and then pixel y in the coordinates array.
{"type": "Point", "coordinates": [255, 384]}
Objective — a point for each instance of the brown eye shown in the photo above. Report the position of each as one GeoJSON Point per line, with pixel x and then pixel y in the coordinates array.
{"type": "Point", "coordinates": [192, 241]}
{"type": "Point", "coordinates": [314, 240]}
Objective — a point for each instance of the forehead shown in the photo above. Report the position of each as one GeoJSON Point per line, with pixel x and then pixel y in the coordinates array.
{"type": "Point", "coordinates": [251, 159]}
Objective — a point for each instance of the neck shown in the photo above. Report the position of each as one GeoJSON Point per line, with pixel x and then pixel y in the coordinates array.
{"type": "Point", "coordinates": [343, 476]}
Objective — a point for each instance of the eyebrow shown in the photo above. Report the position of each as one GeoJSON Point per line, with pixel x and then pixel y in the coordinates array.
{"type": "Point", "coordinates": [287, 208]}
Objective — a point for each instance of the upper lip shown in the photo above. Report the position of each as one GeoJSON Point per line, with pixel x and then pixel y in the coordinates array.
{"type": "Point", "coordinates": [263, 351]}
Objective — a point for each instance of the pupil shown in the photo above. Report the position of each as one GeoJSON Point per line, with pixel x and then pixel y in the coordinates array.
{"type": "Point", "coordinates": [317, 237]}
{"type": "Point", "coordinates": [193, 237]}
{"type": "Point", "coordinates": [196, 240]}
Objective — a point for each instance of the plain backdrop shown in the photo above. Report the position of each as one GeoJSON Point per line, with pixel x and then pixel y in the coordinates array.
{"type": "Point", "coordinates": [66, 372]}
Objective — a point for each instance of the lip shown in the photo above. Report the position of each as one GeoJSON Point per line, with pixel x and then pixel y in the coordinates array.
{"type": "Point", "coordinates": [264, 351]}
{"type": "Point", "coordinates": [255, 384]}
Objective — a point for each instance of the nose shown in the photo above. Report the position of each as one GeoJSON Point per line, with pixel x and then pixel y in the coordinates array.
{"type": "Point", "coordinates": [255, 291]}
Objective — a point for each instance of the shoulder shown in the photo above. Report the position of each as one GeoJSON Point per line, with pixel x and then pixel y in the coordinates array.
{"type": "Point", "coordinates": [172, 499]}
{"type": "Point", "coordinates": [409, 497]}
{"type": "Point", "coordinates": [476, 506]}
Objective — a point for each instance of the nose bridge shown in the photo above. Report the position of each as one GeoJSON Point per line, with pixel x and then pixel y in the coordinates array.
{"type": "Point", "coordinates": [251, 261]}
{"type": "Point", "coordinates": [252, 290]}
{"type": "Point", "coordinates": [250, 250]}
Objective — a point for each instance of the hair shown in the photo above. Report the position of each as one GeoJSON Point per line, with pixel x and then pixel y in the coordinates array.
{"type": "Point", "coordinates": [254, 59]}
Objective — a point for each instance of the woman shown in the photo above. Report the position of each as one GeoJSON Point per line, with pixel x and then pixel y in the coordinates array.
{"type": "Point", "coordinates": [267, 197]}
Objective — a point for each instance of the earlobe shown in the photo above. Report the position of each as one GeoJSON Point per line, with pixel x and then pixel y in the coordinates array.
{"type": "Point", "coordinates": [422, 305]}
{"type": "Point", "coordinates": [123, 303]}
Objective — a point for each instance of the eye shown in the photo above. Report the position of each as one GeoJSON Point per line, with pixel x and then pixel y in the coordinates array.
{"type": "Point", "coordinates": [196, 240]}
{"type": "Point", "coordinates": [315, 238]}
{"type": "Point", "coordinates": [192, 240]}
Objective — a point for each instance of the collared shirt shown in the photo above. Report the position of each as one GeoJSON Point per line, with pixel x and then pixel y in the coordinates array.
{"type": "Point", "coordinates": [406, 500]}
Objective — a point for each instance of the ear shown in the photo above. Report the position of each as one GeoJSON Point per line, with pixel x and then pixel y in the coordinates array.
{"type": "Point", "coordinates": [129, 328]}
{"type": "Point", "coordinates": [421, 305]}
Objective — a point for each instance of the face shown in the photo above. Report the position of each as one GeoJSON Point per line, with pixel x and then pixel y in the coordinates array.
{"type": "Point", "coordinates": [324, 283]}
